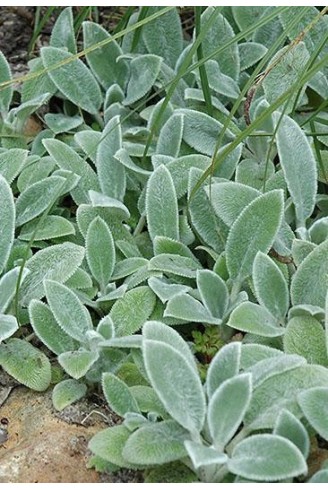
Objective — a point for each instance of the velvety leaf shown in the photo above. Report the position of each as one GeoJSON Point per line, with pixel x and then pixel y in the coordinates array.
{"type": "Point", "coordinates": [67, 392]}
{"type": "Point", "coordinates": [224, 365]}
{"type": "Point", "coordinates": [27, 364]}
{"type": "Point", "coordinates": [8, 326]}
{"type": "Point", "coordinates": [147, 400]}
{"type": "Point", "coordinates": [301, 249]}
{"type": "Point", "coordinates": [109, 444]}
{"type": "Point", "coordinates": [100, 251]}
{"type": "Point", "coordinates": [111, 173]}
{"type": "Point", "coordinates": [253, 353]}
{"type": "Point", "coordinates": [118, 395]}
{"type": "Point", "coordinates": [310, 281]}
{"type": "Point", "coordinates": [174, 264]}
{"type": "Point", "coordinates": [213, 292]}
{"type": "Point", "coordinates": [153, 330]}
{"type": "Point", "coordinates": [6, 92]}
{"type": "Point", "coordinates": [288, 65]}
{"type": "Point", "coordinates": [289, 426]}
{"type": "Point", "coordinates": [67, 159]}
{"type": "Point", "coordinates": [305, 336]}
{"type": "Point", "coordinates": [180, 390]}
{"type": "Point", "coordinates": [41, 84]}
{"type": "Point", "coordinates": [270, 286]}
{"type": "Point", "coordinates": [254, 230]}
{"type": "Point", "coordinates": [299, 166]}
{"type": "Point", "coordinates": [250, 53]}
{"type": "Point", "coordinates": [72, 78]}
{"type": "Point", "coordinates": [186, 307]}
{"type": "Point", "coordinates": [103, 61]}
{"type": "Point", "coordinates": [166, 245]}
{"type": "Point", "coordinates": [7, 221]}
{"type": "Point", "coordinates": [165, 290]}
{"type": "Point", "coordinates": [218, 81]}
{"type": "Point", "coordinates": [267, 457]}
{"type": "Point", "coordinates": [266, 368]}
{"type": "Point", "coordinates": [227, 407]}
{"type": "Point", "coordinates": [50, 227]}
{"type": "Point", "coordinates": [79, 280]}
{"type": "Point", "coordinates": [156, 443]}
{"type": "Point", "coordinates": [320, 476]}
{"type": "Point", "coordinates": [130, 312]}
{"type": "Point", "coordinates": [161, 205]}
{"type": "Point", "coordinates": [253, 318]}
{"type": "Point", "coordinates": [229, 199]}
{"type": "Point", "coordinates": [144, 72]}
{"type": "Point", "coordinates": [179, 169]}
{"type": "Point", "coordinates": [62, 34]}
{"type": "Point", "coordinates": [126, 267]}
{"type": "Point", "coordinates": [8, 283]}
{"type": "Point", "coordinates": [47, 329]}
{"type": "Point", "coordinates": [117, 208]}
{"type": "Point", "coordinates": [77, 363]}
{"type": "Point", "coordinates": [12, 162]}
{"type": "Point", "coordinates": [163, 36]}
{"type": "Point", "coordinates": [314, 405]}
{"type": "Point", "coordinates": [60, 123]}
{"type": "Point", "coordinates": [220, 33]}
{"type": "Point", "coordinates": [69, 312]}
{"type": "Point", "coordinates": [201, 455]}
{"type": "Point", "coordinates": [170, 136]}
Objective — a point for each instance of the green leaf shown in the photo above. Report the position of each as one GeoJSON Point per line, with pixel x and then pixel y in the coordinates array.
{"type": "Point", "coordinates": [227, 408]}
{"type": "Point", "coordinates": [160, 332]}
{"type": "Point", "coordinates": [144, 72]}
{"type": "Point", "coordinates": [111, 172]}
{"type": "Point", "coordinates": [201, 455]}
{"type": "Point", "coordinates": [47, 329]}
{"type": "Point", "coordinates": [117, 207]}
{"type": "Point", "coordinates": [250, 53]}
{"type": "Point", "coordinates": [314, 405]}
{"type": "Point", "coordinates": [187, 308]}
{"type": "Point", "coordinates": [8, 326]}
{"type": "Point", "coordinates": [40, 84]}
{"type": "Point", "coordinates": [180, 390]}
{"type": "Point", "coordinates": [299, 166]}
{"type": "Point", "coordinates": [288, 426]}
{"type": "Point", "coordinates": [219, 34]}
{"type": "Point", "coordinates": [165, 290]}
{"type": "Point", "coordinates": [67, 392]}
{"type": "Point", "coordinates": [305, 336]}
{"type": "Point", "coordinates": [179, 169]}
{"type": "Point", "coordinates": [12, 162]}
{"type": "Point", "coordinates": [156, 443]}
{"type": "Point", "coordinates": [62, 34]}
{"type": "Point", "coordinates": [301, 249]}
{"type": "Point", "coordinates": [69, 312]}
{"type": "Point", "coordinates": [218, 81]}
{"type": "Point", "coordinates": [6, 92]}
{"type": "Point", "coordinates": [224, 365]}
{"type": "Point", "coordinates": [67, 159]}
{"type": "Point", "coordinates": [109, 445]}
{"type": "Point", "coordinates": [266, 368]}
{"type": "Point", "coordinates": [267, 457]}
{"type": "Point", "coordinates": [37, 198]}
{"type": "Point", "coordinates": [229, 199]}
{"type": "Point", "coordinates": [77, 363]}
{"type": "Point", "coordinates": [174, 264]}
{"type": "Point", "coordinates": [57, 262]}
{"type": "Point", "coordinates": [73, 79]}
{"type": "Point", "coordinates": [130, 312]}
{"type": "Point", "coordinates": [288, 65]}
{"type": "Point", "coordinates": [254, 230]}
{"type": "Point", "coordinates": [100, 251]}
{"type": "Point", "coordinates": [60, 123]}
{"type": "Point", "coordinates": [320, 476]}
{"type": "Point", "coordinates": [280, 391]}
{"type": "Point", "coordinates": [163, 36]}
{"type": "Point", "coordinates": [310, 281]}
{"type": "Point", "coordinates": [8, 284]}
{"type": "Point", "coordinates": [51, 227]}
{"type": "Point", "coordinates": [270, 286]}
{"type": "Point", "coordinates": [170, 136]}
{"type": "Point", "coordinates": [126, 267]}
{"type": "Point", "coordinates": [213, 292]}
{"type": "Point", "coordinates": [28, 365]}
{"type": "Point", "coordinates": [7, 222]}
{"type": "Point", "coordinates": [253, 318]}
{"type": "Point", "coordinates": [104, 61]}
{"type": "Point", "coordinates": [118, 395]}
{"type": "Point", "coordinates": [253, 353]}
{"type": "Point", "coordinates": [161, 205]}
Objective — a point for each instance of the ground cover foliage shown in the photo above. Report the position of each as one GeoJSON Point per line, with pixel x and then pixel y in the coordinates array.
{"type": "Point", "coordinates": [165, 237]}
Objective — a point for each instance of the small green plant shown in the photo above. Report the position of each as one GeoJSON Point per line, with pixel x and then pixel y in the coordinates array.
{"type": "Point", "coordinates": [175, 187]}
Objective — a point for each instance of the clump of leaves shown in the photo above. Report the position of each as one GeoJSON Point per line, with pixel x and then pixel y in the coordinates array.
{"type": "Point", "coordinates": [173, 190]}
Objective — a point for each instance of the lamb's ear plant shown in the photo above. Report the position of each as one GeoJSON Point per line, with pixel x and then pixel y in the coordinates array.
{"type": "Point", "coordinates": [168, 203]}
